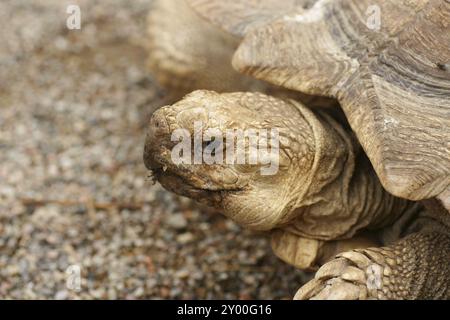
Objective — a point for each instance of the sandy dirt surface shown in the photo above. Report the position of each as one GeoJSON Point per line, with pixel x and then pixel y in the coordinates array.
{"type": "Point", "coordinates": [73, 188]}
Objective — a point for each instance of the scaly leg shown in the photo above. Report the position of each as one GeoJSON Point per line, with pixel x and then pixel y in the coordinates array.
{"type": "Point", "coordinates": [416, 267]}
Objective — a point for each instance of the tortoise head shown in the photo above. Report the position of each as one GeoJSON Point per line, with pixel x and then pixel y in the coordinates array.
{"type": "Point", "coordinates": [238, 152]}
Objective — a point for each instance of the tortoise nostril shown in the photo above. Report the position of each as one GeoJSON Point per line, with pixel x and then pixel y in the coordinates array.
{"type": "Point", "coordinates": [158, 124]}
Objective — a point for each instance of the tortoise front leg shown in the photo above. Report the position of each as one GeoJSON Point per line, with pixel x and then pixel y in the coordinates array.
{"type": "Point", "coordinates": [416, 267]}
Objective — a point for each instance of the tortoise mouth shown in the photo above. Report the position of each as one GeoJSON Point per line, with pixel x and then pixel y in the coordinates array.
{"type": "Point", "coordinates": [185, 177]}
{"type": "Point", "coordinates": [176, 182]}
{"type": "Point", "coordinates": [181, 185]}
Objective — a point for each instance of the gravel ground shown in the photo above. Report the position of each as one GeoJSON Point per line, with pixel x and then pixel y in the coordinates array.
{"type": "Point", "coordinates": [73, 189]}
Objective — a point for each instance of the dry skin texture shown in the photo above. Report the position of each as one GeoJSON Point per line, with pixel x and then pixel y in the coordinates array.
{"type": "Point", "coordinates": [326, 197]}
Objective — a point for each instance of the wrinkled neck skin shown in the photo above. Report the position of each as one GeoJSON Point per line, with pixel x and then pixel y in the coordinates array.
{"type": "Point", "coordinates": [339, 193]}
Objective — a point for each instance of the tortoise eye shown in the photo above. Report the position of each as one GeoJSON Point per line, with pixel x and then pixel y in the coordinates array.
{"type": "Point", "coordinates": [443, 66]}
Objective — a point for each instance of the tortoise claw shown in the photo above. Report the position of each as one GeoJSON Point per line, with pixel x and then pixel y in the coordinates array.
{"type": "Point", "coordinates": [335, 280]}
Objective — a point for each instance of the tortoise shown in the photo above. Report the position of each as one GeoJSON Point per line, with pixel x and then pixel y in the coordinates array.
{"type": "Point", "coordinates": [365, 204]}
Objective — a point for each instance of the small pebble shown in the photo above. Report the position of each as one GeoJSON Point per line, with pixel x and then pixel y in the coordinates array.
{"type": "Point", "coordinates": [177, 221]}
{"type": "Point", "coordinates": [185, 238]}
{"type": "Point", "coordinates": [61, 295]}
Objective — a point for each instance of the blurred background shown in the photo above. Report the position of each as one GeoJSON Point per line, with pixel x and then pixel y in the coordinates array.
{"type": "Point", "coordinates": [78, 216]}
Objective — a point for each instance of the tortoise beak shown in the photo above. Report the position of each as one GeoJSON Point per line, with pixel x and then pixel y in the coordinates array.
{"type": "Point", "coordinates": [158, 135]}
